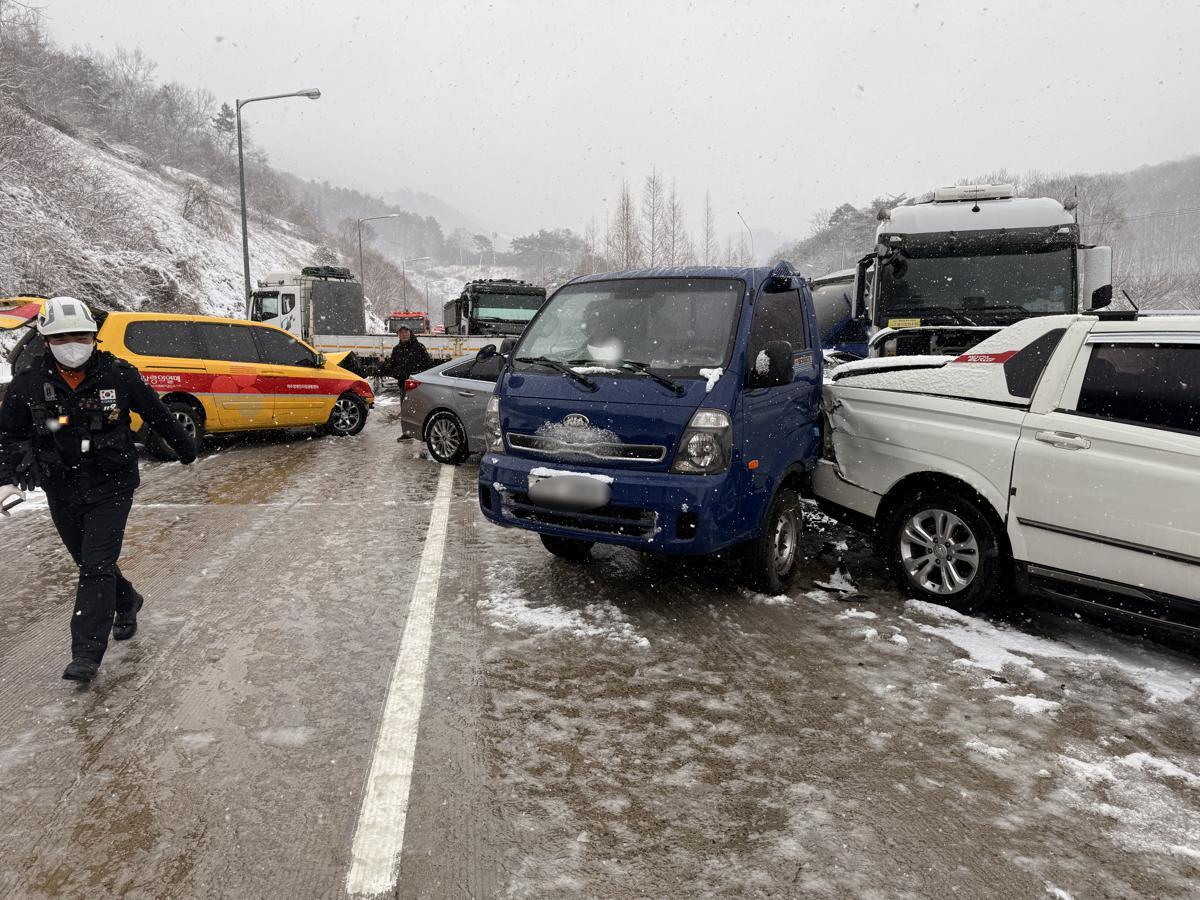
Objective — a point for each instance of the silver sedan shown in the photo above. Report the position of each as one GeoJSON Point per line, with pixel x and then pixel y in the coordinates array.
{"type": "Point", "coordinates": [444, 406]}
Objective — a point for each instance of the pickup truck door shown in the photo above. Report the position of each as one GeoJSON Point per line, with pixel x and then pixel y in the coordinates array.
{"type": "Point", "coordinates": [778, 420]}
{"type": "Point", "coordinates": [1107, 485]}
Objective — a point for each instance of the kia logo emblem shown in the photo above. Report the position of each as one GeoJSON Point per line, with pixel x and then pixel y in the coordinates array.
{"type": "Point", "coordinates": [576, 420]}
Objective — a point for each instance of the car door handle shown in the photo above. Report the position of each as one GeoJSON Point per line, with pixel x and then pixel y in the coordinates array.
{"type": "Point", "coordinates": [465, 393]}
{"type": "Point", "coordinates": [1063, 440]}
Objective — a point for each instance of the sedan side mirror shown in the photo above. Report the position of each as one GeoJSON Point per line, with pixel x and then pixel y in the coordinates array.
{"type": "Point", "coordinates": [772, 366]}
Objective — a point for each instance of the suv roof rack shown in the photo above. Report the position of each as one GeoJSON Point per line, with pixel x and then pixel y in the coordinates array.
{"type": "Point", "coordinates": [1113, 315]}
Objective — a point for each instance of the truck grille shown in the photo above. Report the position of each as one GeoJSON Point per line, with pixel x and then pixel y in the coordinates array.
{"type": "Point", "coordinates": [626, 521]}
{"type": "Point", "coordinates": [548, 446]}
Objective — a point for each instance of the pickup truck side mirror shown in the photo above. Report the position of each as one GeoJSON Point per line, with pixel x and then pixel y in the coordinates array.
{"type": "Point", "coordinates": [771, 366]}
{"type": "Point", "coordinates": [506, 346]}
{"type": "Point", "coordinates": [487, 351]}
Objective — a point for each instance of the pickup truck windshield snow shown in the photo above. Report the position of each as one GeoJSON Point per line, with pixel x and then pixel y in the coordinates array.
{"type": "Point", "coordinates": [670, 325]}
{"type": "Point", "coordinates": [977, 290]}
{"type": "Point", "coordinates": [507, 307]}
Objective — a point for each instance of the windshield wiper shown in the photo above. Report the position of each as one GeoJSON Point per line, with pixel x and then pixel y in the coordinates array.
{"type": "Point", "coordinates": [559, 366]}
{"type": "Point", "coordinates": [644, 369]}
{"type": "Point", "coordinates": [959, 317]}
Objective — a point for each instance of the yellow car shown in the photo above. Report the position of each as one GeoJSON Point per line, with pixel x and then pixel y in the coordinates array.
{"type": "Point", "coordinates": [223, 375]}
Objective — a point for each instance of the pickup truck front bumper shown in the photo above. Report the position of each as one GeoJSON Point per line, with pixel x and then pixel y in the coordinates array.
{"type": "Point", "coordinates": [688, 515]}
{"type": "Point", "coordinates": [831, 487]}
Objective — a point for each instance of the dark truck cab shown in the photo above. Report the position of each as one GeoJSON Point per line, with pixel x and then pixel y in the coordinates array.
{"type": "Point", "coordinates": [499, 306]}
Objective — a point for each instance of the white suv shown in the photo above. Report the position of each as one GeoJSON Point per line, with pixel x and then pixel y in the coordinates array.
{"type": "Point", "coordinates": [1062, 451]}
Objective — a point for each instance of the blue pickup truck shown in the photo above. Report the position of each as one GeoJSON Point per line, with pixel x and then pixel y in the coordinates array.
{"type": "Point", "coordinates": [668, 410]}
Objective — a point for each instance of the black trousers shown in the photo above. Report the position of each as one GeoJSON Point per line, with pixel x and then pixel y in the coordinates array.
{"type": "Point", "coordinates": [93, 534]}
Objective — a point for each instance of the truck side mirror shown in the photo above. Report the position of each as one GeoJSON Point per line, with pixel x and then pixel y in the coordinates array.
{"type": "Point", "coordinates": [487, 351]}
{"type": "Point", "coordinates": [1095, 277]}
{"type": "Point", "coordinates": [506, 346]}
{"type": "Point", "coordinates": [771, 366]}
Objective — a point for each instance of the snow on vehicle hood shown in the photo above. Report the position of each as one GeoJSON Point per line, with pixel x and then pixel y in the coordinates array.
{"type": "Point", "coordinates": [978, 374]}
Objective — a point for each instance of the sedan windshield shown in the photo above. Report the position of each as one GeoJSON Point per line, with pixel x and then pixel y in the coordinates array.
{"type": "Point", "coordinates": [675, 325]}
{"type": "Point", "coordinates": [978, 290]}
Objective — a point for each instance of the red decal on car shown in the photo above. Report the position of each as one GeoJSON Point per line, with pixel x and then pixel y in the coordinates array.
{"type": "Point", "coordinates": [987, 357]}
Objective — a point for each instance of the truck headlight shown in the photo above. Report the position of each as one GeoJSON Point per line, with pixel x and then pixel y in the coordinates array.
{"type": "Point", "coordinates": [706, 446]}
{"type": "Point", "coordinates": [491, 425]}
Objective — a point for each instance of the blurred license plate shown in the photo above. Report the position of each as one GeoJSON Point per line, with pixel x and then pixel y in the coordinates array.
{"type": "Point", "coordinates": [568, 491]}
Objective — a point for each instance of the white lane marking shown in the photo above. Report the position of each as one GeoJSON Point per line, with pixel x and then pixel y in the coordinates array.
{"type": "Point", "coordinates": [379, 837]}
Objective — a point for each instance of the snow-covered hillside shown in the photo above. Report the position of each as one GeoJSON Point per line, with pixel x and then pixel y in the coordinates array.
{"type": "Point", "coordinates": [103, 223]}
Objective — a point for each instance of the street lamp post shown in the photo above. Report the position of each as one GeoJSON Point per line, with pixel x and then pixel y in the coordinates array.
{"type": "Point", "coordinates": [404, 278]}
{"type": "Point", "coordinates": [361, 271]}
{"type": "Point", "coordinates": [311, 94]}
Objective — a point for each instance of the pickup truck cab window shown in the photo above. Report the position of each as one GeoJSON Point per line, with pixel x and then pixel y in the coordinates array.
{"type": "Point", "coordinates": [1143, 384]}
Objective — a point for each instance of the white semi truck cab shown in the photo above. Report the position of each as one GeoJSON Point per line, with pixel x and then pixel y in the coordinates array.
{"type": "Point", "coordinates": [948, 272]}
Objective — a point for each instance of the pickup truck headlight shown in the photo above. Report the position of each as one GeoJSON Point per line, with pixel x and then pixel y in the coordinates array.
{"type": "Point", "coordinates": [491, 425]}
{"type": "Point", "coordinates": [706, 445]}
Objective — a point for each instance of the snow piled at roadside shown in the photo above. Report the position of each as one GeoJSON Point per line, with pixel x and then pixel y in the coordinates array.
{"type": "Point", "coordinates": [509, 610]}
{"type": "Point", "coordinates": [992, 648]}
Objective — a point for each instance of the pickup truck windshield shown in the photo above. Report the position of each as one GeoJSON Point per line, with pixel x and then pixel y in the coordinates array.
{"type": "Point", "coordinates": [671, 325]}
{"type": "Point", "coordinates": [509, 307]}
{"type": "Point", "coordinates": [977, 290]}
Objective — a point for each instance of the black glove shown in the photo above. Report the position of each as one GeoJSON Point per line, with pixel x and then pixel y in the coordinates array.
{"type": "Point", "coordinates": [26, 474]}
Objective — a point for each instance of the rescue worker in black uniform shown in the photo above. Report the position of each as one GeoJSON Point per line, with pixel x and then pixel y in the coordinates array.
{"type": "Point", "coordinates": [409, 357]}
{"type": "Point", "coordinates": [64, 427]}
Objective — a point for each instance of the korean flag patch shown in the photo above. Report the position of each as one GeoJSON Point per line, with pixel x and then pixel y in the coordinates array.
{"type": "Point", "coordinates": [108, 395]}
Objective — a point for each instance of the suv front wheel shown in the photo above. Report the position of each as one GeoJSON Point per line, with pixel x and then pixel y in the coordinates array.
{"type": "Point", "coordinates": [943, 548]}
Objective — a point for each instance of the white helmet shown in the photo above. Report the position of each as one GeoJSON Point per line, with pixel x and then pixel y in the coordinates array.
{"type": "Point", "coordinates": [65, 315]}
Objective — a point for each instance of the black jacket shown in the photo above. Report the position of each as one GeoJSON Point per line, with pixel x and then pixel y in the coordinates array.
{"type": "Point", "coordinates": [78, 443]}
{"type": "Point", "coordinates": [409, 358]}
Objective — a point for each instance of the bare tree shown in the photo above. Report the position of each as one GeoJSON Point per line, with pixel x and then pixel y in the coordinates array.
{"type": "Point", "coordinates": [708, 241]}
{"type": "Point", "coordinates": [625, 235]}
{"type": "Point", "coordinates": [654, 209]}
{"type": "Point", "coordinates": [676, 238]}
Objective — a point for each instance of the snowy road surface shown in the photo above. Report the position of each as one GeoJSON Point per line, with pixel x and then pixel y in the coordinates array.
{"type": "Point", "coordinates": [629, 728]}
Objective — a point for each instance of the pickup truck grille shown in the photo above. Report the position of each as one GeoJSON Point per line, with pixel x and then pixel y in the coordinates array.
{"type": "Point", "coordinates": [548, 446]}
{"type": "Point", "coordinates": [626, 521]}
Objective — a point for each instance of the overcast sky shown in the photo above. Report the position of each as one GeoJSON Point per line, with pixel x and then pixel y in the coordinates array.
{"type": "Point", "coordinates": [529, 114]}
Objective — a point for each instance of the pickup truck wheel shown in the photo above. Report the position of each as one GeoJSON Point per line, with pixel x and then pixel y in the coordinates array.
{"type": "Point", "coordinates": [567, 548]}
{"type": "Point", "coordinates": [770, 560]}
{"type": "Point", "coordinates": [943, 549]}
{"type": "Point", "coordinates": [348, 416]}
{"type": "Point", "coordinates": [193, 423]}
{"type": "Point", "coordinates": [446, 439]}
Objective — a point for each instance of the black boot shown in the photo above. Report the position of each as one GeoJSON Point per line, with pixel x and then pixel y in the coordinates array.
{"type": "Point", "coordinates": [81, 669]}
{"type": "Point", "coordinates": [125, 624]}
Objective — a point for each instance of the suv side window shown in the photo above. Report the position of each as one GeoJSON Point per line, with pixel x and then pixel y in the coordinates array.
{"type": "Point", "coordinates": [1143, 384]}
{"type": "Point", "coordinates": [228, 343]}
{"type": "Point", "coordinates": [169, 338]}
{"type": "Point", "coordinates": [778, 317]}
{"type": "Point", "coordinates": [281, 349]}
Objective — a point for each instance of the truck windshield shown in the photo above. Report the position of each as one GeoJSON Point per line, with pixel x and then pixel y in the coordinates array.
{"type": "Point", "coordinates": [416, 324]}
{"type": "Point", "coordinates": [673, 325]}
{"type": "Point", "coordinates": [509, 307]}
{"type": "Point", "coordinates": [979, 290]}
